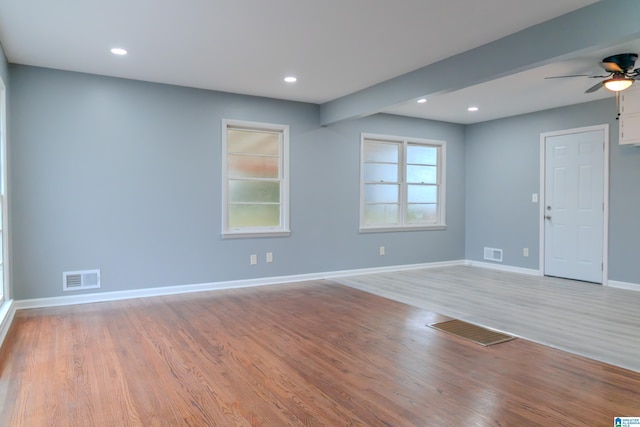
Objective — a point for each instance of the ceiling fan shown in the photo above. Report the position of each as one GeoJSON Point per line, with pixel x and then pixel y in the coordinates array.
{"type": "Point", "coordinates": [621, 73]}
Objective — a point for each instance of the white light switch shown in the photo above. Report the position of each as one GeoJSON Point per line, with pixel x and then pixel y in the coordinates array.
{"type": "Point", "coordinates": [534, 198]}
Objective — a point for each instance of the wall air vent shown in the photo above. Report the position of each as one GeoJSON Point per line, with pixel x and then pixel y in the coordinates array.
{"type": "Point", "coordinates": [492, 254]}
{"type": "Point", "coordinates": [79, 280]}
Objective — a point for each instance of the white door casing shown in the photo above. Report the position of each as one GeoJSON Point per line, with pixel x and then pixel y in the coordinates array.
{"type": "Point", "coordinates": [574, 183]}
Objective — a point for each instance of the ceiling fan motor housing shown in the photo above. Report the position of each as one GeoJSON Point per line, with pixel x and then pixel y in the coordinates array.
{"type": "Point", "coordinates": [626, 61]}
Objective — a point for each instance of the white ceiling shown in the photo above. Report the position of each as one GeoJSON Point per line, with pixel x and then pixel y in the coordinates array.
{"type": "Point", "coordinates": [334, 47]}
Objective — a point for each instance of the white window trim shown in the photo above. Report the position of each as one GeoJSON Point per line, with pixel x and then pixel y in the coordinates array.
{"type": "Point", "coordinates": [6, 261]}
{"type": "Point", "coordinates": [255, 232]}
{"type": "Point", "coordinates": [442, 193]}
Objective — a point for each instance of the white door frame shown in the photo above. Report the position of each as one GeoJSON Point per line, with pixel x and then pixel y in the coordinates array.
{"type": "Point", "coordinates": [605, 217]}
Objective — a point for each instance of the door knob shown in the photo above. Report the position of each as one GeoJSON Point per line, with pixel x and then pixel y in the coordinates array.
{"type": "Point", "coordinates": [547, 217]}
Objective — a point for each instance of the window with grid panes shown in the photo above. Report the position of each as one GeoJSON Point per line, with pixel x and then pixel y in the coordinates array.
{"type": "Point", "coordinates": [402, 183]}
{"type": "Point", "coordinates": [255, 179]}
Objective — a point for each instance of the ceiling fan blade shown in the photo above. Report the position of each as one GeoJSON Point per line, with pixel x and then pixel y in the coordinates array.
{"type": "Point", "coordinates": [564, 77]}
{"type": "Point", "coordinates": [594, 88]}
{"type": "Point", "coordinates": [612, 67]}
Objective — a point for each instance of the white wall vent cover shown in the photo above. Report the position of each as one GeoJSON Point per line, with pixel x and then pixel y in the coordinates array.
{"type": "Point", "coordinates": [492, 254]}
{"type": "Point", "coordinates": [78, 280]}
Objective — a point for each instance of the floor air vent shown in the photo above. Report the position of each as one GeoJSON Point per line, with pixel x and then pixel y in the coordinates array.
{"type": "Point", "coordinates": [78, 280]}
{"type": "Point", "coordinates": [492, 254]}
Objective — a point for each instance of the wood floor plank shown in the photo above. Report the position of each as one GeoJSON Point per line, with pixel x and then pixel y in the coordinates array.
{"type": "Point", "coordinates": [599, 322]}
{"type": "Point", "coordinates": [309, 354]}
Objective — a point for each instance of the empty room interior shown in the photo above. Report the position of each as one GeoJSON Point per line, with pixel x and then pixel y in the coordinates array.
{"type": "Point", "coordinates": [283, 213]}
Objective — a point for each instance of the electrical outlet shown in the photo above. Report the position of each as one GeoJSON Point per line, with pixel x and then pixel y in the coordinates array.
{"type": "Point", "coordinates": [253, 259]}
{"type": "Point", "coordinates": [382, 252]}
{"type": "Point", "coordinates": [525, 252]}
{"type": "Point", "coordinates": [269, 257]}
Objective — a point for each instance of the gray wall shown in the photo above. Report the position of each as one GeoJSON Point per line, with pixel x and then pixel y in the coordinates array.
{"type": "Point", "coordinates": [4, 66]}
{"type": "Point", "coordinates": [124, 176]}
{"type": "Point", "coordinates": [503, 170]}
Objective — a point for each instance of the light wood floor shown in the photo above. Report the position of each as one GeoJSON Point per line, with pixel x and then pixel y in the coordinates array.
{"type": "Point", "coordinates": [583, 318]}
{"type": "Point", "coordinates": [308, 354]}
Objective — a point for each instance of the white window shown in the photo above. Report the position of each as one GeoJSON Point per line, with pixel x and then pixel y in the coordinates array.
{"type": "Point", "coordinates": [255, 169]}
{"type": "Point", "coordinates": [401, 183]}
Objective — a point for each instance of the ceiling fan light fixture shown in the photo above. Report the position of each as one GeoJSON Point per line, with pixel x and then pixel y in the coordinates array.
{"type": "Point", "coordinates": [616, 84]}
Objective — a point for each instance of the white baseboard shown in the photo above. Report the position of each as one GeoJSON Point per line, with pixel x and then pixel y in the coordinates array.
{"type": "Point", "coordinates": [153, 292]}
{"type": "Point", "coordinates": [624, 285]}
{"type": "Point", "coordinates": [7, 312]}
{"type": "Point", "coordinates": [389, 269]}
{"type": "Point", "coordinates": [507, 268]}
{"type": "Point", "coordinates": [234, 284]}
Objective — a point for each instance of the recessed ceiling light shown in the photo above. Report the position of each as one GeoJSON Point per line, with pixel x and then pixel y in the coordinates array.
{"type": "Point", "coordinates": [290, 79]}
{"type": "Point", "coordinates": [472, 109]}
{"type": "Point", "coordinates": [118, 51]}
{"type": "Point", "coordinates": [422, 100]}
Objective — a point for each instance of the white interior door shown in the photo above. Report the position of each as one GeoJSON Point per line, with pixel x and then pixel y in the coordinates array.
{"type": "Point", "coordinates": [574, 205]}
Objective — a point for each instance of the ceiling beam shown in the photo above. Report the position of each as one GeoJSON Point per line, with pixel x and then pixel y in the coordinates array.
{"type": "Point", "coordinates": [602, 24]}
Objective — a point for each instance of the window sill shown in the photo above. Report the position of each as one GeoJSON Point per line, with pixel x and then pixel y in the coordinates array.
{"type": "Point", "coordinates": [405, 228]}
{"type": "Point", "coordinates": [255, 234]}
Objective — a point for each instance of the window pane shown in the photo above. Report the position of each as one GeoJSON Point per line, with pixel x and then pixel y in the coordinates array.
{"type": "Point", "coordinates": [381, 193]}
{"type": "Point", "coordinates": [422, 155]}
{"type": "Point", "coordinates": [380, 172]}
{"type": "Point", "coordinates": [254, 191]}
{"type": "Point", "coordinates": [254, 215]}
{"type": "Point", "coordinates": [381, 214]}
{"type": "Point", "coordinates": [423, 174]}
{"type": "Point", "coordinates": [422, 194]}
{"type": "Point", "coordinates": [422, 213]}
{"type": "Point", "coordinates": [253, 142]}
{"type": "Point", "coordinates": [380, 152]}
{"type": "Point", "coordinates": [252, 166]}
